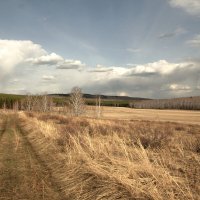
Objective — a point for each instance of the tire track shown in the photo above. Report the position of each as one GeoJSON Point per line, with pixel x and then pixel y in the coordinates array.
{"type": "Point", "coordinates": [23, 175]}
{"type": "Point", "coordinates": [43, 164]}
{"type": "Point", "coordinates": [4, 125]}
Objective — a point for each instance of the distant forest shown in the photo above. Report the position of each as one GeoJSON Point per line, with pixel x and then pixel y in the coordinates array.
{"type": "Point", "coordinates": [11, 101]}
{"type": "Point", "coordinates": [189, 103]}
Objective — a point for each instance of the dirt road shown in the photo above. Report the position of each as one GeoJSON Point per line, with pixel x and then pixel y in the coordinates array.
{"type": "Point", "coordinates": [22, 174]}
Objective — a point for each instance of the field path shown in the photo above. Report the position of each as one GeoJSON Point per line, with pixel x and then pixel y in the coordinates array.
{"type": "Point", "coordinates": [22, 175]}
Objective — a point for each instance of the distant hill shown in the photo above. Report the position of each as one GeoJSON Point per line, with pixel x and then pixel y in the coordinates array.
{"type": "Point", "coordinates": [104, 97]}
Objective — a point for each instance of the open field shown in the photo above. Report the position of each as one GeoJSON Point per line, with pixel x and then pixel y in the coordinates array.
{"type": "Point", "coordinates": [181, 116]}
{"type": "Point", "coordinates": [51, 156]}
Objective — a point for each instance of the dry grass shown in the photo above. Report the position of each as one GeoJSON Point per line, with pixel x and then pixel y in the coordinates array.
{"type": "Point", "coordinates": [109, 159]}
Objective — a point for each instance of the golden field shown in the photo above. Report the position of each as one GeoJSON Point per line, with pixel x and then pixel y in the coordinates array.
{"type": "Point", "coordinates": [84, 158]}
{"type": "Point", "coordinates": [181, 116]}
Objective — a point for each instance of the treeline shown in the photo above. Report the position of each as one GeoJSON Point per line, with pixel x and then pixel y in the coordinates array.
{"type": "Point", "coordinates": [42, 103]}
{"type": "Point", "coordinates": [63, 101]}
{"type": "Point", "coordinates": [190, 103]}
{"type": "Point", "coordinates": [112, 103]}
{"type": "Point", "coordinates": [9, 100]}
{"type": "Point", "coordinates": [45, 103]}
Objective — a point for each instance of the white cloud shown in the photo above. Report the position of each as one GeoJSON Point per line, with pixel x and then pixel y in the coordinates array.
{"type": "Point", "coordinates": [190, 6]}
{"type": "Point", "coordinates": [49, 59]}
{"type": "Point", "coordinates": [153, 80]}
{"type": "Point", "coordinates": [195, 42]}
{"type": "Point", "coordinates": [161, 67]}
{"type": "Point", "coordinates": [19, 60]}
{"type": "Point", "coordinates": [19, 74]}
{"type": "Point", "coordinates": [20, 54]}
{"type": "Point", "coordinates": [107, 72]}
{"type": "Point", "coordinates": [179, 87]}
{"type": "Point", "coordinates": [15, 52]}
{"type": "Point", "coordinates": [71, 64]}
{"type": "Point", "coordinates": [101, 69]}
{"type": "Point", "coordinates": [48, 77]}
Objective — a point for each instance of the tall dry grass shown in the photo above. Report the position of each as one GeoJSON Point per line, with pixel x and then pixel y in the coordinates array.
{"type": "Point", "coordinates": [102, 159]}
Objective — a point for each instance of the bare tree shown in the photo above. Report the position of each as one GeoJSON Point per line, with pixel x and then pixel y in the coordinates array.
{"type": "Point", "coordinates": [46, 103]}
{"type": "Point", "coordinates": [38, 103]}
{"type": "Point", "coordinates": [76, 101]}
{"type": "Point", "coordinates": [98, 106]}
{"type": "Point", "coordinates": [4, 106]}
{"type": "Point", "coordinates": [28, 102]}
{"type": "Point", "coordinates": [16, 106]}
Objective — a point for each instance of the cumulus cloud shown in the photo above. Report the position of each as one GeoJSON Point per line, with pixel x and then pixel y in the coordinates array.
{"type": "Point", "coordinates": [14, 52]}
{"type": "Point", "coordinates": [158, 79]}
{"type": "Point", "coordinates": [161, 67]}
{"type": "Point", "coordinates": [49, 59]}
{"type": "Point", "coordinates": [71, 64]}
{"type": "Point", "coordinates": [190, 6]}
{"type": "Point", "coordinates": [20, 54]}
{"type": "Point", "coordinates": [19, 74]}
{"type": "Point", "coordinates": [19, 60]}
{"type": "Point", "coordinates": [195, 42]}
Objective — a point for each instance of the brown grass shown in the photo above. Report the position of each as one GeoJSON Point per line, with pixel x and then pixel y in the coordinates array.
{"type": "Point", "coordinates": [113, 159]}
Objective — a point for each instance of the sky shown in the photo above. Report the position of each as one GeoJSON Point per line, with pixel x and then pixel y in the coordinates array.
{"type": "Point", "coordinates": [140, 48]}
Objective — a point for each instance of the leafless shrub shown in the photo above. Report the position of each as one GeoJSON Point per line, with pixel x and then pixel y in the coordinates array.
{"type": "Point", "coordinates": [30, 114]}
{"type": "Point", "coordinates": [180, 128]}
{"type": "Point", "coordinates": [197, 148]}
{"type": "Point", "coordinates": [192, 144]}
{"type": "Point", "coordinates": [157, 137]}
